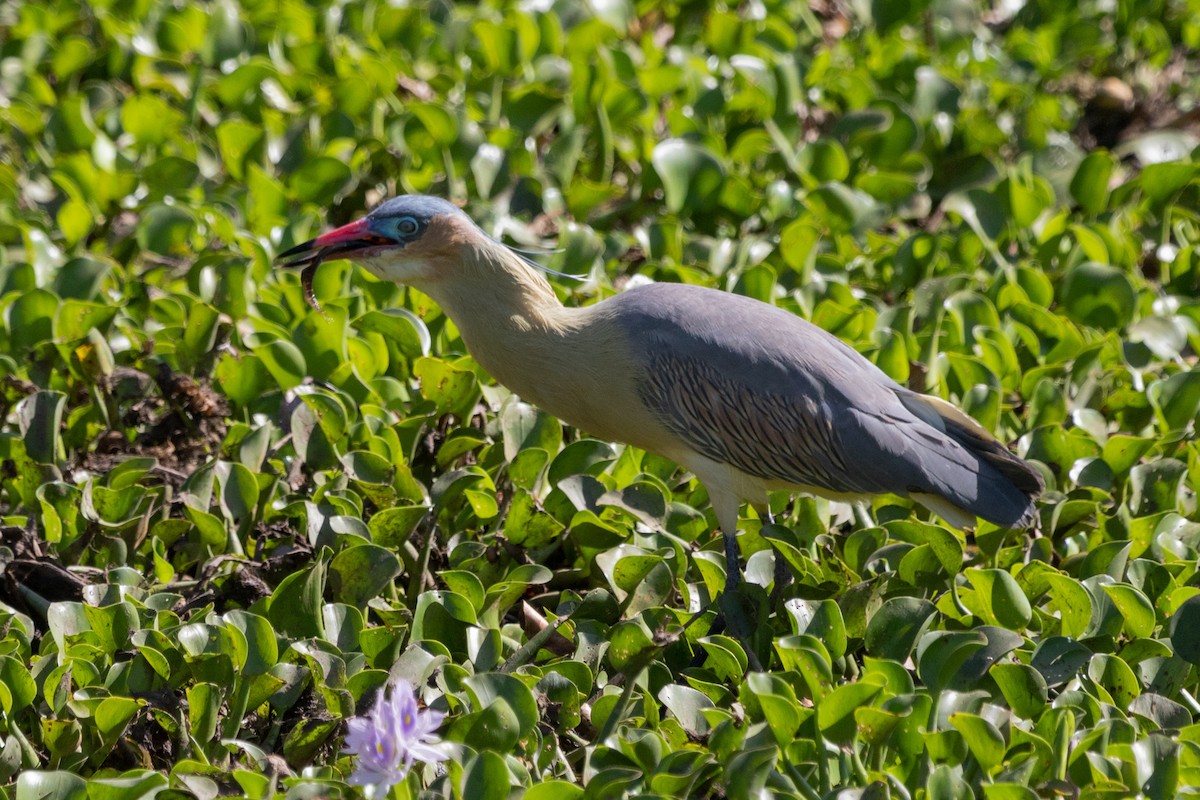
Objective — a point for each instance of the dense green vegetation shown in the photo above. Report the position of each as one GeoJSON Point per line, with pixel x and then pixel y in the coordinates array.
{"type": "Point", "coordinates": [227, 516]}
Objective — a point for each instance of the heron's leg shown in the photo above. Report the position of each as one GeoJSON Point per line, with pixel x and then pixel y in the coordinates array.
{"type": "Point", "coordinates": [862, 514]}
{"type": "Point", "coordinates": [733, 567]}
{"type": "Point", "coordinates": [725, 505]}
{"type": "Point", "coordinates": [783, 575]}
{"type": "Point", "coordinates": [732, 604]}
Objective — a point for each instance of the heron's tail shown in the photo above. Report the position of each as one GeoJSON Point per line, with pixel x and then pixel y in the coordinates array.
{"type": "Point", "coordinates": [1008, 497]}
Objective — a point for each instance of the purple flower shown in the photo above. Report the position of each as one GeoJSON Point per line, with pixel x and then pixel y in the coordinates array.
{"type": "Point", "coordinates": [390, 739]}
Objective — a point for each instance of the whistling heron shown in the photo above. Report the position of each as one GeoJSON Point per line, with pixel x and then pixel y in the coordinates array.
{"type": "Point", "coordinates": [747, 396]}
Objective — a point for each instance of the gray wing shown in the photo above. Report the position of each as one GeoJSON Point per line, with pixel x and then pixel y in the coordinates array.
{"type": "Point", "coordinates": [750, 385]}
{"type": "Point", "coordinates": [788, 437]}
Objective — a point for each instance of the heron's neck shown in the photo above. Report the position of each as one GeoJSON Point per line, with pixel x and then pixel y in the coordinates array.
{"type": "Point", "coordinates": [507, 314]}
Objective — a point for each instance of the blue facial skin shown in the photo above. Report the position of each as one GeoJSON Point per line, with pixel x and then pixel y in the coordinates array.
{"type": "Point", "coordinates": [405, 218]}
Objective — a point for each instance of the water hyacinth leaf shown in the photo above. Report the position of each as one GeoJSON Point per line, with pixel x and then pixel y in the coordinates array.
{"type": "Point", "coordinates": [983, 739]}
{"type": "Point", "coordinates": [526, 427]}
{"type": "Point", "coordinates": [1176, 399]}
{"type": "Point", "coordinates": [283, 361]}
{"type": "Point", "coordinates": [166, 230]}
{"type": "Point", "coordinates": [443, 617]}
{"type": "Point", "coordinates": [998, 599]}
{"type": "Point", "coordinates": [1059, 659]}
{"type": "Point", "coordinates": [81, 278]}
{"type": "Point", "coordinates": [19, 683]}
{"type": "Point", "coordinates": [31, 317]}
{"type": "Point", "coordinates": [981, 210]}
{"type": "Point", "coordinates": [1184, 624]}
{"type": "Point", "coordinates": [726, 656]}
{"type": "Point", "coordinates": [893, 630]}
{"type": "Point", "coordinates": [295, 605]}
{"type": "Point", "coordinates": [40, 418]}
{"type": "Point", "coordinates": [1000, 642]}
{"type": "Point", "coordinates": [1023, 687]}
{"type": "Point", "coordinates": [450, 388]}
{"type": "Point", "coordinates": [686, 705]}
{"type": "Point", "coordinates": [1089, 186]}
{"type": "Point", "coordinates": [1135, 607]}
{"type": "Point", "coordinates": [488, 688]}
{"type": "Point", "coordinates": [823, 620]}
{"type": "Point", "coordinates": [399, 325]}
{"type": "Point", "coordinates": [307, 737]}
{"type": "Point", "coordinates": [1098, 295]}
{"type": "Point", "coordinates": [1072, 602]}
{"type": "Point", "coordinates": [941, 653]}
{"type": "Point", "coordinates": [320, 179]}
{"type": "Point", "coordinates": [392, 527]}
{"type": "Point", "coordinates": [486, 776]}
{"type": "Point", "coordinates": [1158, 766]}
{"type": "Point", "coordinates": [691, 174]}
{"type": "Point", "coordinates": [842, 208]}
{"type": "Point", "coordinates": [239, 493]}
{"type": "Point", "coordinates": [1116, 676]}
{"type": "Point", "coordinates": [835, 714]}
{"type": "Point", "coordinates": [554, 790]}
{"type": "Point", "coordinates": [358, 574]}
{"type": "Point", "coordinates": [58, 785]}
{"type": "Point", "coordinates": [630, 642]}
{"type": "Point", "coordinates": [170, 175]}
{"type": "Point", "coordinates": [236, 138]}
{"type": "Point", "coordinates": [139, 784]}
{"type": "Point", "coordinates": [262, 647]}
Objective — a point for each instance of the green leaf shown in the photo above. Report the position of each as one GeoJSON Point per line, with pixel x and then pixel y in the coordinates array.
{"type": "Point", "coordinates": [320, 179]}
{"type": "Point", "coordinates": [999, 599]}
{"type": "Point", "coordinates": [452, 389]}
{"type": "Point", "coordinates": [691, 174]}
{"type": "Point", "coordinates": [1184, 624]}
{"type": "Point", "coordinates": [1135, 607]}
{"type": "Point", "coordinates": [893, 630]}
{"type": "Point", "coordinates": [31, 319]}
{"type": "Point", "coordinates": [1098, 295]}
{"type": "Point", "coordinates": [392, 527]}
{"type": "Point", "coordinates": [1176, 400]}
{"type": "Point", "coordinates": [983, 739]}
{"type": "Point", "coordinates": [843, 209]}
{"type": "Point", "coordinates": [141, 784]}
{"type": "Point", "coordinates": [295, 605]}
{"type": "Point", "coordinates": [360, 573]}
{"type": "Point", "coordinates": [40, 418]}
{"type": "Point", "coordinates": [486, 777]}
{"type": "Point", "coordinates": [1023, 687]}
{"type": "Point", "coordinates": [262, 647]}
{"type": "Point", "coordinates": [1089, 187]}
{"type": "Point", "coordinates": [835, 713]}
{"type": "Point", "coordinates": [553, 790]}
{"type": "Point", "coordinates": [38, 785]}
{"type": "Point", "coordinates": [1072, 602]}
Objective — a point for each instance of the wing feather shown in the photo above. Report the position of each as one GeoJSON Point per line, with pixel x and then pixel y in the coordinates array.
{"type": "Point", "coordinates": [750, 385]}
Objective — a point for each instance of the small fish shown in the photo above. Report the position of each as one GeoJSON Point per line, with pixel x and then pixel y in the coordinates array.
{"type": "Point", "coordinates": [306, 280]}
{"type": "Point", "coordinates": [310, 262]}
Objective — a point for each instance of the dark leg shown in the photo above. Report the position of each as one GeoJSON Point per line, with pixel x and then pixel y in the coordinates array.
{"type": "Point", "coordinates": [783, 575]}
{"type": "Point", "coordinates": [733, 567]}
{"type": "Point", "coordinates": [732, 604]}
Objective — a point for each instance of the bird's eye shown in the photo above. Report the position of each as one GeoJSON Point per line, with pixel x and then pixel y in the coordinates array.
{"type": "Point", "coordinates": [406, 226]}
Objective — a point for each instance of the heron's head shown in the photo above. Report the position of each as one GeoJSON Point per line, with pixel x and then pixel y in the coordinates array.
{"type": "Point", "coordinates": [406, 239]}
